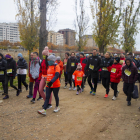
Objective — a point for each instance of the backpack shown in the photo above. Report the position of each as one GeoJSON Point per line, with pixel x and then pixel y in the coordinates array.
{"type": "Point", "coordinates": [135, 93]}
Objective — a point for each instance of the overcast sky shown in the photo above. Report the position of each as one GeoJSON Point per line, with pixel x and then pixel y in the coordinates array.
{"type": "Point", "coordinates": [65, 16]}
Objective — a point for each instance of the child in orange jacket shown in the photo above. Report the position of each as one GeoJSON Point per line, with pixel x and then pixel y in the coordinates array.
{"type": "Point", "coordinates": [78, 77]}
{"type": "Point", "coordinates": [60, 63]}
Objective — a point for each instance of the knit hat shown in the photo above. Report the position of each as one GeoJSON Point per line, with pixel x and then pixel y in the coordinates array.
{"type": "Point", "coordinates": [20, 55]}
{"type": "Point", "coordinates": [53, 54]}
{"type": "Point", "coordinates": [79, 66]}
{"type": "Point", "coordinates": [45, 51]}
{"type": "Point", "coordinates": [78, 54]}
{"type": "Point", "coordinates": [115, 54]}
{"type": "Point", "coordinates": [117, 59]}
{"type": "Point", "coordinates": [82, 53]}
{"type": "Point", "coordinates": [52, 58]}
{"type": "Point", "coordinates": [87, 55]}
{"type": "Point", "coordinates": [58, 58]}
{"type": "Point", "coordinates": [7, 56]}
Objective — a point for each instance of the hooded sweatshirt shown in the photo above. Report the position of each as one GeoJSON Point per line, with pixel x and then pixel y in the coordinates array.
{"type": "Point", "coordinates": [129, 73]}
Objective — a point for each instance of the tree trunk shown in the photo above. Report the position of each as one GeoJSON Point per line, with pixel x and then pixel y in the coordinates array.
{"type": "Point", "coordinates": [43, 32]}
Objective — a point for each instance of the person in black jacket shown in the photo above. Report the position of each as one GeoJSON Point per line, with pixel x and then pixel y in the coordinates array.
{"type": "Point", "coordinates": [2, 72]}
{"type": "Point", "coordinates": [10, 74]}
{"type": "Point", "coordinates": [106, 64]}
{"type": "Point", "coordinates": [93, 65]}
{"type": "Point", "coordinates": [21, 71]}
{"type": "Point", "coordinates": [70, 68]}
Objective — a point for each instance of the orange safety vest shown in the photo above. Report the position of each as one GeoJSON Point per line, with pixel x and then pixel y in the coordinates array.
{"type": "Point", "coordinates": [51, 73]}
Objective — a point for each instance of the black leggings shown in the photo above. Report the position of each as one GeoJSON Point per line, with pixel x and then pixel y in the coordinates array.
{"type": "Point", "coordinates": [21, 79]}
{"type": "Point", "coordinates": [66, 78]}
{"type": "Point", "coordinates": [7, 78]}
{"type": "Point", "coordinates": [95, 83]}
{"type": "Point", "coordinates": [48, 94]}
{"type": "Point", "coordinates": [78, 88]}
{"type": "Point", "coordinates": [114, 87]}
{"type": "Point", "coordinates": [70, 79]}
{"type": "Point", "coordinates": [105, 83]}
{"type": "Point", "coordinates": [128, 89]}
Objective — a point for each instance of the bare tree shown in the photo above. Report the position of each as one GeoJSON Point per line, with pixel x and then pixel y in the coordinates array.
{"type": "Point", "coordinates": [80, 23]}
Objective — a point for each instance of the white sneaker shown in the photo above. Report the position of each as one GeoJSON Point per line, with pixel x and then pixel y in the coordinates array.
{"type": "Point", "coordinates": [117, 93]}
{"type": "Point", "coordinates": [56, 109]}
{"type": "Point", "coordinates": [114, 98]}
{"type": "Point", "coordinates": [74, 88]}
{"type": "Point", "coordinates": [43, 112]}
{"type": "Point", "coordinates": [70, 88]}
{"type": "Point", "coordinates": [65, 87]}
{"type": "Point", "coordinates": [77, 93]}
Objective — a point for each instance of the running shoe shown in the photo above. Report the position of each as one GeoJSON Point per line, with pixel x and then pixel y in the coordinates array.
{"type": "Point", "coordinates": [106, 96]}
{"type": "Point", "coordinates": [43, 112]}
{"type": "Point", "coordinates": [117, 93]}
{"type": "Point", "coordinates": [77, 93]}
{"type": "Point", "coordinates": [29, 96]}
{"type": "Point", "coordinates": [128, 103]}
{"type": "Point", "coordinates": [40, 98]}
{"type": "Point", "coordinates": [65, 87]}
{"type": "Point", "coordinates": [93, 93]}
{"type": "Point", "coordinates": [6, 97]}
{"type": "Point", "coordinates": [49, 106]}
{"type": "Point", "coordinates": [74, 88]}
{"type": "Point", "coordinates": [18, 92]}
{"type": "Point", "coordinates": [114, 98]}
{"type": "Point", "coordinates": [33, 100]}
{"type": "Point", "coordinates": [70, 88]}
{"type": "Point", "coordinates": [56, 109]}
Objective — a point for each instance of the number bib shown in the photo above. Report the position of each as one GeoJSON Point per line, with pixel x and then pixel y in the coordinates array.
{"type": "Point", "coordinates": [65, 63]}
{"type": "Point", "coordinates": [72, 64]}
{"type": "Point", "coordinates": [121, 61]}
{"type": "Point", "coordinates": [113, 70]}
{"type": "Point", "coordinates": [105, 69]}
{"type": "Point", "coordinates": [91, 67]}
{"type": "Point", "coordinates": [127, 72]}
{"type": "Point", "coordinates": [1, 72]}
{"type": "Point", "coordinates": [79, 78]}
{"type": "Point", "coordinates": [9, 71]}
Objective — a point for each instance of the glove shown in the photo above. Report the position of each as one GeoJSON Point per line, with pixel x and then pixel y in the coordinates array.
{"type": "Point", "coordinates": [49, 84]}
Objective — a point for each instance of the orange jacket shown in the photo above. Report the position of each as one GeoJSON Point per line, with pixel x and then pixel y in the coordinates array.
{"type": "Point", "coordinates": [60, 65]}
{"type": "Point", "coordinates": [78, 77]}
{"type": "Point", "coordinates": [51, 73]}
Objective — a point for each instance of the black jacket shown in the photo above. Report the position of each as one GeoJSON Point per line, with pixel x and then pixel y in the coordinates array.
{"type": "Point", "coordinates": [71, 64]}
{"type": "Point", "coordinates": [107, 63]}
{"type": "Point", "coordinates": [22, 64]}
{"type": "Point", "coordinates": [11, 64]}
{"type": "Point", "coordinates": [2, 69]}
{"type": "Point", "coordinates": [93, 65]}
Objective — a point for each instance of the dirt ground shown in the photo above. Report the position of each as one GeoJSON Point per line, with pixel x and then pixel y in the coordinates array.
{"type": "Point", "coordinates": [81, 117]}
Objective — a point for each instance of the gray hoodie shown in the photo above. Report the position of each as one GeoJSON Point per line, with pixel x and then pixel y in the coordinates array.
{"type": "Point", "coordinates": [34, 69]}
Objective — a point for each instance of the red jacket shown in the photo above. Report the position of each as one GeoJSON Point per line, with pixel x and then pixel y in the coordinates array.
{"type": "Point", "coordinates": [43, 69]}
{"type": "Point", "coordinates": [116, 73]}
{"type": "Point", "coordinates": [83, 62]}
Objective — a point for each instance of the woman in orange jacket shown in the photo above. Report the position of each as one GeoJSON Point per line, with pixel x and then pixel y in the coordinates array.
{"type": "Point", "coordinates": [78, 78]}
{"type": "Point", "coordinates": [60, 63]}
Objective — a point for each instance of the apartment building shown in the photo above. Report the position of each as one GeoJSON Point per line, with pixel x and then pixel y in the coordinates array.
{"type": "Point", "coordinates": [56, 38]}
{"type": "Point", "coordinates": [89, 41]}
{"type": "Point", "coordinates": [69, 36]}
{"type": "Point", "coordinates": [10, 32]}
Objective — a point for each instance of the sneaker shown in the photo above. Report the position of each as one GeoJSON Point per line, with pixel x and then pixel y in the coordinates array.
{"type": "Point", "coordinates": [82, 90]}
{"type": "Point", "coordinates": [114, 98]}
{"type": "Point", "coordinates": [65, 87]}
{"type": "Point", "coordinates": [93, 93]}
{"type": "Point", "coordinates": [128, 103]}
{"type": "Point", "coordinates": [40, 98]}
{"type": "Point", "coordinates": [6, 97]}
{"type": "Point", "coordinates": [77, 93]}
{"type": "Point", "coordinates": [18, 92]}
{"type": "Point", "coordinates": [106, 96]}
{"type": "Point", "coordinates": [117, 93]}
{"type": "Point", "coordinates": [43, 112]}
{"type": "Point", "coordinates": [49, 106]}
{"type": "Point", "coordinates": [74, 88]}
{"type": "Point", "coordinates": [70, 88]}
{"type": "Point", "coordinates": [33, 100]}
{"type": "Point", "coordinates": [3, 93]}
{"type": "Point", "coordinates": [29, 96]}
{"type": "Point", "coordinates": [56, 109]}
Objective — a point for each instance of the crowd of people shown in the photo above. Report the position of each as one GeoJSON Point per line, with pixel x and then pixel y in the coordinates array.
{"type": "Point", "coordinates": [45, 75]}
